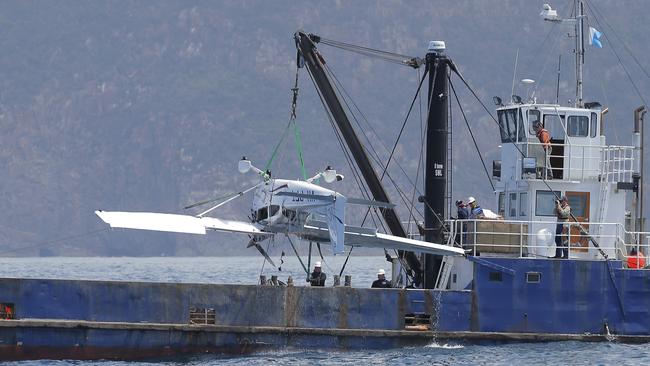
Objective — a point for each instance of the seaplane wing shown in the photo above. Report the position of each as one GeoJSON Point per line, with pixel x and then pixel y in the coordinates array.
{"type": "Point", "coordinates": [175, 223]}
{"type": "Point", "coordinates": [370, 238]}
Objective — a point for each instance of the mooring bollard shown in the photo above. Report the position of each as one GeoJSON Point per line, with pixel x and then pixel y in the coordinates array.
{"type": "Point", "coordinates": [262, 280]}
{"type": "Point", "coordinates": [290, 281]}
{"type": "Point", "coordinates": [337, 280]}
{"type": "Point", "coordinates": [348, 281]}
{"type": "Point", "coordinates": [274, 280]}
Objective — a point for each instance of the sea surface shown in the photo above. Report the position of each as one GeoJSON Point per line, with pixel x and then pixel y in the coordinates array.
{"type": "Point", "coordinates": [246, 270]}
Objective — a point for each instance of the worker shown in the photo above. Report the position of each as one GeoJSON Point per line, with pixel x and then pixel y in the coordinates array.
{"type": "Point", "coordinates": [317, 278]}
{"type": "Point", "coordinates": [381, 282]}
{"type": "Point", "coordinates": [635, 259]}
{"type": "Point", "coordinates": [475, 211]}
{"type": "Point", "coordinates": [545, 139]}
{"type": "Point", "coordinates": [562, 212]}
{"type": "Point", "coordinates": [462, 210]}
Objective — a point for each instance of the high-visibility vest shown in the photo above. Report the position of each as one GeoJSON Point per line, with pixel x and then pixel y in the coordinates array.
{"type": "Point", "coordinates": [544, 137]}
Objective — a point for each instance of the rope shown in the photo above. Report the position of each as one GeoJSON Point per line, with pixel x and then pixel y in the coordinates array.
{"type": "Point", "coordinates": [376, 53]}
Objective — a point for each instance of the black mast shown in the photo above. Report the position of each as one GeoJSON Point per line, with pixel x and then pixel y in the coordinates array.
{"type": "Point", "coordinates": [305, 43]}
{"type": "Point", "coordinates": [435, 181]}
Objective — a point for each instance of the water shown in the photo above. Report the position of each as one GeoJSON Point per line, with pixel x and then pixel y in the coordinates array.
{"type": "Point", "coordinates": [246, 270]}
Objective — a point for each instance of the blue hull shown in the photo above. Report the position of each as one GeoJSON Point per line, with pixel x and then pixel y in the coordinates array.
{"type": "Point", "coordinates": [129, 320]}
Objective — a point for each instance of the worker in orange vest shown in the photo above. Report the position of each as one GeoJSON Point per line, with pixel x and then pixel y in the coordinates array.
{"type": "Point", "coordinates": [635, 260]}
{"type": "Point", "coordinates": [545, 138]}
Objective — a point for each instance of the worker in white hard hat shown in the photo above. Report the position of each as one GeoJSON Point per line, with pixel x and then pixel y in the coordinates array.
{"type": "Point", "coordinates": [317, 278]}
{"type": "Point", "coordinates": [381, 282]}
{"type": "Point", "coordinates": [475, 211]}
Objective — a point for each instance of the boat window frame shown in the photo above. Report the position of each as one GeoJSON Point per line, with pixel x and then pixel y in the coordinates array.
{"type": "Point", "coordinates": [523, 202]}
{"type": "Point", "coordinates": [507, 134]}
{"type": "Point", "coordinates": [501, 204]}
{"type": "Point", "coordinates": [512, 204]}
{"type": "Point", "coordinates": [593, 128]}
{"type": "Point", "coordinates": [532, 121]}
{"type": "Point", "coordinates": [579, 121]}
{"type": "Point", "coordinates": [553, 194]}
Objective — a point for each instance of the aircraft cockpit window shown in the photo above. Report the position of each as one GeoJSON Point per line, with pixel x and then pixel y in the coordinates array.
{"type": "Point", "coordinates": [262, 214]}
{"type": "Point", "coordinates": [289, 214]}
{"type": "Point", "coordinates": [273, 210]}
{"type": "Point", "coordinates": [577, 126]}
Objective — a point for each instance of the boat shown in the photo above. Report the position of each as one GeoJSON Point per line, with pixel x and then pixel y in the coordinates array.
{"type": "Point", "coordinates": [507, 286]}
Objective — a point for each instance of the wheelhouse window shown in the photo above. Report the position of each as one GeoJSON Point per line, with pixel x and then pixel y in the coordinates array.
{"type": "Point", "coordinates": [502, 204]}
{"type": "Point", "coordinates": [512, 205]}
{"type": "Point", "coordinates": [594, 124]}
{"type": "Point", "coordinates": [533, 117]}
{"type": "Point", "coordinates": [545, 202]}
{"type": "Point", "coordinates": [554, 124]}
{"type": "Point", "coordinates": [508, 125]}
{"type": "Point", "coordinates": [523, 204]}
{"type": "Point", "coordinates": [577, 126]}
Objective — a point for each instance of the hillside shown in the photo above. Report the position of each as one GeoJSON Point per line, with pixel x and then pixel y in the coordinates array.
{"type": "Point", "coordinates": [135, 105]}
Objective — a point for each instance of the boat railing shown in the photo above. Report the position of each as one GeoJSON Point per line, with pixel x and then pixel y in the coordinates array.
{"type": "Point", "coordinates": [537, 239]}
{"type": "Point", "coordinates": [570, 161]}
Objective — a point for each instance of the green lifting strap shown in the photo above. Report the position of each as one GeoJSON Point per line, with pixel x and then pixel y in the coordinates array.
{"type": "Point", "coordinates": [296, 132]}
{"type": "Point", "coordinates": [277, 146]}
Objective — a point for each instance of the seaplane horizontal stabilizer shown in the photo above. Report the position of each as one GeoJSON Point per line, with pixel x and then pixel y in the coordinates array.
{"type": "Point", "coordinates": [174, 223]}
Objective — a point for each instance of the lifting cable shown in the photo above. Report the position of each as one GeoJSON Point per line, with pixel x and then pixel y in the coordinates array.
{"type": "Point", "coordinates": [376, 158]}
{"type": "Point", "coordinates": [397, 58]}
{"type": "Point", "coordinates": [296, 132]}
{"type": "Point", "coordinates": [478, 151]}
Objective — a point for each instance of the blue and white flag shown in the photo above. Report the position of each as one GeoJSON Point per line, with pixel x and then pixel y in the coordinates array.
{"type": "Point", "coordinates": [594, 37]}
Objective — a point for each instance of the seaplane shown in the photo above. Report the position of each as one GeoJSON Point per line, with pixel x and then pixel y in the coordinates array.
{"type": "Point", "coordinates": [300, 208]}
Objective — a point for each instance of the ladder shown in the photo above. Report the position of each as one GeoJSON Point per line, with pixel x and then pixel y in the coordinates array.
{"type": "Point", "coordinates": [445, 272]}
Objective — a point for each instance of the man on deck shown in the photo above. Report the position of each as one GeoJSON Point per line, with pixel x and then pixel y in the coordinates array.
{"type": "Point", "coordinates": [317, 278]}
{"type": "Point", "coordinates": [562, 212]}
{"type": "Point", "coordinates": [381, 282]}
{"type": "Point", "coordinates": [545, 139]}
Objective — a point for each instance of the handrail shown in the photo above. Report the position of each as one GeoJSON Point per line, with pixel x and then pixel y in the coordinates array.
{"type": "Point", "coordinates": [587, 161]}
{"type": "Point", "coordinates": [518, 237]}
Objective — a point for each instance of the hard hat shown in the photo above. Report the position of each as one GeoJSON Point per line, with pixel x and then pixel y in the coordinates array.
{"type": "Point", "coordinates": [317, 264]}
{"type": "Point", "coordinates": [381, 272]}
{"type": "Point", "coordinates": [471, 200]}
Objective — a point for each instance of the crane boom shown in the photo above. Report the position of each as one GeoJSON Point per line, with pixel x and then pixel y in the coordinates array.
{"type": "Point", "coordinates": [306, 46]}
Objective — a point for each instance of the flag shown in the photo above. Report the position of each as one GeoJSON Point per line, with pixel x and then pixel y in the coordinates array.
{"type": "Point", "coordinates": [594, 37]}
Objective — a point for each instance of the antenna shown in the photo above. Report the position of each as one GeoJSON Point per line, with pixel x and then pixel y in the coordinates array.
{"type": "Point", "coordinates": [557, 89]}
{"type": "Point", "coordinates": [514, 73]}
{"type": "Point", "coordinates": [578, 22]}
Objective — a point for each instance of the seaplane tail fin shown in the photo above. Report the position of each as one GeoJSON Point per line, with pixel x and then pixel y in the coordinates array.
{"type": "Point", "coordinates": [336, 224]}
{"type": "Point", "coordinates": [363, 237]}
{"type": "Point", "coordinates": [174, 223]}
